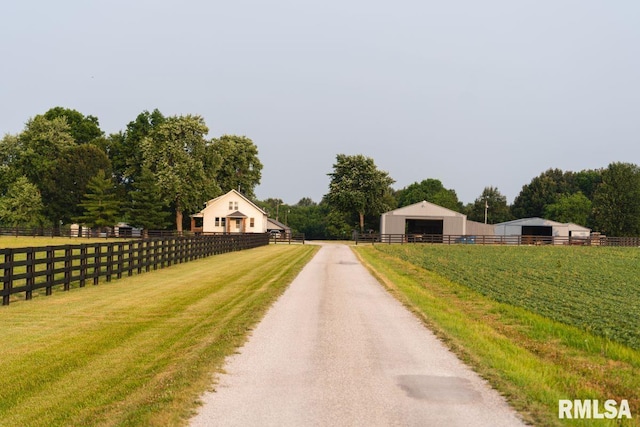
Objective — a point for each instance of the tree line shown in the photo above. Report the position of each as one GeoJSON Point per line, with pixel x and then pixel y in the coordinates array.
{"type": "Point", "coordinates": [606, 200]}
{"type": "Point", "coordinates": [62, 169]}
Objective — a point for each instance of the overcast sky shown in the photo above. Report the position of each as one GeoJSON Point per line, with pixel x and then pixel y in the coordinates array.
{"type": "Point", "coordinates": [473, 93]}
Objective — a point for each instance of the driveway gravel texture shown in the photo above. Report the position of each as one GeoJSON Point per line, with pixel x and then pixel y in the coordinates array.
{"type": "Point", "coordinates": [337, 349]}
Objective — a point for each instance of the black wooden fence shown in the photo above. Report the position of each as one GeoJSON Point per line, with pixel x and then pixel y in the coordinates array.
{"type": "Point", "coordinates": [35, 268]}
{"type": "Point", "coordinates": [447, 239]}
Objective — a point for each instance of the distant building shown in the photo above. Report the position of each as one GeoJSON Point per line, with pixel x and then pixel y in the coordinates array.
{"type": "Point", "coordinates": [539, 228]}
{"type": "Point", "coordinates": [230, 213]}
{"type": "Point", "coordinates": [425, 218]}
{"type": "Point", "coordinates": [274, 226]}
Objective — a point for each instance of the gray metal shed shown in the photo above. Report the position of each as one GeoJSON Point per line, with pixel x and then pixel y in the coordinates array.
{"type": "Point", "coordinates": [540, 227]}
{"type": "Point", "coordinates": [423, 218]}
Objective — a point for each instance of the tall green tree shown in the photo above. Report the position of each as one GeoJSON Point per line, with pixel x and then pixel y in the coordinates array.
{"type": "Point", "coordinates": [358, 186]}
{"type": "Point", "coordinates": [575, 208]}
{"type": "Point", "coordinates": [101, 208]}
{"type": "Point", "coordinates": [540, 192]}
{"type": "Point", "coordinates": [240, 168]}
{"type": "Point", "coordinates": [616, 202]}
{"type": "Point", "coordinates": [9, 152]}
{"type": "Point", "coordinates": [177, 154]}
{"type": "Point", "coordinates": [493, 203]}
{"type": "Point", "coordinates": [147, 209]}
{"type": "Point", "coordinates": [430, 190]}
{"type": "Point", "coordinates": [83, 129]}
{"type": "Point", "coordinates": [65, 183]}
{"type": "Point", "coordinates": [586, 181]}
{"type": "Point", "coordinates": [125, 148]}
{"type": "Point", "coordinates": [21, 205]}
{"type": "Point", "coordinates": [41, 144]}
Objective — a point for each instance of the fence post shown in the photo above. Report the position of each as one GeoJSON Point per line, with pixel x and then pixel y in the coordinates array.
{"type": "Point", "coordinates": [83, 264]}
{"type": "Point", "coordinates": [68, 261]}
{"type": "Point", "coordinates": [130, 259]}
{"type": "Point", "coordinates": [7, 279]}
{"type": "Point", "coordinates": [109, 261]}
{"type": "Point", "coordinates": [30, 278]}
{"type": "Point", "coordinates": [97, 262]}
{"type": "Point", "coordinates": [50, 268]}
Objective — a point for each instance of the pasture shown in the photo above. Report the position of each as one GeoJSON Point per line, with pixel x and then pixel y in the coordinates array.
{"type": "Point", "coordinates": [540, 323]}
{"type": "Point", "coordinates": [139, 350]}
{"type": "Point", "coordinates": [38, 241]}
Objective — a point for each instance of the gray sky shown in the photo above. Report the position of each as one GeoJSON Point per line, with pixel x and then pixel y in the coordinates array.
{"type": "Point", "coordinates": [473, 93]}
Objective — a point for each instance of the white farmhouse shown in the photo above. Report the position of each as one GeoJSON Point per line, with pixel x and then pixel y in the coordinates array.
{"type": "Point", "coordinates": [230, 213]}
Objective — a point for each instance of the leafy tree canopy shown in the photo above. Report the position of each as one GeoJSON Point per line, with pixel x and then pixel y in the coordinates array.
{"type": "Point", "coordinates": [83, 129]}
{"type": "Point", "coordinates": [540, 192]}
{"type": "Point", "coordinates": [125, 150]}
{"type": "Point", "coordinates": [430, 190]}
{"type": "Point", "coordinates": [177, 154]}
{"type": "Point", "coordinates": [358, 186]}
{"type": "Point", "coordinates": [22, 205]}
{"type": "Point", "coordinates": [41, 143]}
{"type": "Point", "coordinates": [616, 202]}
{"type": "Point", "coordinates": [575, 208]}
{"type": "Point", "coordinates": [65, 183]}
{"type": "Point", "coordinates": [497, 209]}
{"type": "Point", "coordinates": [241, 168]}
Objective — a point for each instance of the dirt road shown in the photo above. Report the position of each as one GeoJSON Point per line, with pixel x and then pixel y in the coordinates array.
{"type": "Point", "coordinates": [337, 350]}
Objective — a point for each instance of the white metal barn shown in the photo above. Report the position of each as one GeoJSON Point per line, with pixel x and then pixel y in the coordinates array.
{"type": "Point", "coordinates": [541, 228]}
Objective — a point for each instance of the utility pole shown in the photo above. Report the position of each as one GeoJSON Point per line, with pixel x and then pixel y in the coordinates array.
{"type": "Point", "coordinates": [486, 208]}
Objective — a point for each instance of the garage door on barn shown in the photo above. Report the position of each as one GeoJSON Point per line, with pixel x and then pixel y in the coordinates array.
{"type": "Point", "coordinates": [423, 218]}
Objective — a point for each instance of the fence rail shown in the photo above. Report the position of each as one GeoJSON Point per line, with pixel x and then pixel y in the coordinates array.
{"type": "Point", "coordinates": [34, 268]}
{"type": "Point", "coordinates": [596, 240]}
{"type": "Point", "coordinates": [287, 238]}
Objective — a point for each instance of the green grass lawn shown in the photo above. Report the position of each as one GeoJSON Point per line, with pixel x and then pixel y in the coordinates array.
{"type": "Point", "coordinates": [496, 308]}
{"type": "Point", "coordinates": [39, 241]}
{"type": "Point", "coordinates": [139, 350]}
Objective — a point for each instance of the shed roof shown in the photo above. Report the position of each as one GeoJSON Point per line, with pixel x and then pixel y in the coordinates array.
{"type": "Point", "coordinates": [537, 221]}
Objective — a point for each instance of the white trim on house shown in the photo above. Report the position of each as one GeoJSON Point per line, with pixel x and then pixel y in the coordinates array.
{"type": "Point", "coordinates": [230, 213]}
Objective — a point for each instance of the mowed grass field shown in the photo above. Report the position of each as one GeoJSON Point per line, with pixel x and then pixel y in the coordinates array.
{"type": "Point", "coordinates": [139, 350]}
{"type": "Point", "coordinates": [540, 323]}
{"type": "Point", "coordinates": [39, 241]}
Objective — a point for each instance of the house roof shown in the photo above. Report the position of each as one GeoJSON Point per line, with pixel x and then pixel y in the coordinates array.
{"type": "Point", "coordinates": [234, 192]}
{"type": "Point", "coordinates": [272, 224]}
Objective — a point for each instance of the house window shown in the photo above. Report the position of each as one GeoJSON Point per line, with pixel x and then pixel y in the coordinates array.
{"type": "Point", "coordinates": [252, 222]}
{"type": "Point", "coordinates": [235, 205]}
{"type": "Point", "coordinates": [230, 206]}
{"type": "Point", "coordinates": [217, 221]}
{"type": "Point", "coordinates": [223, 222]}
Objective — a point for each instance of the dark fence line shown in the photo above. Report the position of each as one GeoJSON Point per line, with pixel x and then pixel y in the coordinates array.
{"type": "Point", "coordinates": [117, 232]}
{"type": "Point", "coordinates": [595, 240]}
{"type": "Point", "coordinates": [287, 238]}
{"type": "Point", "coordinates": [30, 269]}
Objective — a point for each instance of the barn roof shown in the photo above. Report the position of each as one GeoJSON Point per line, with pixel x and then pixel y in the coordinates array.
{"type": "Point", "coordinates": [424, 208]}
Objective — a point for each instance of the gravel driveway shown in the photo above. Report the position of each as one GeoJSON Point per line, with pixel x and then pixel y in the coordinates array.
{"type": "Point", "coordinates": [337, 350]}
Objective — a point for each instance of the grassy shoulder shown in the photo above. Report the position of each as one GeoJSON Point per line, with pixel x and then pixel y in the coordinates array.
{"type": "Point", "coordinates": [140, 350]}
{"type": "Point", "coordinates": [532, 360]}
